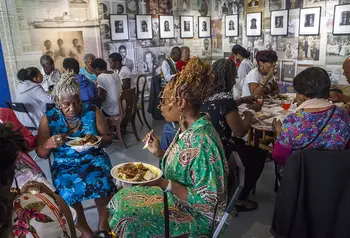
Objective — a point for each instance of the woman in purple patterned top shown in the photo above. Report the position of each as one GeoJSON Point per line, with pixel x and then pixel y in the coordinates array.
{"type": "Point", "coordinates": [317, 123]}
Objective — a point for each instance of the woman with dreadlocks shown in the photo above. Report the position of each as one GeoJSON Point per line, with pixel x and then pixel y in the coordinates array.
{"type": "Point", "coordinates": [77, 176]}
{"type": "Point", "coordinates": [194, 168]}
{"type": "Point", "coordinates": [223, 111]}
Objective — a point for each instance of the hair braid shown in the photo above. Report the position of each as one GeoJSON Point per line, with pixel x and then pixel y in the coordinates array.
{"type": "Point", "coordinates": [67, 86]}
{"type": "Point", "coordinates": [225, 74]}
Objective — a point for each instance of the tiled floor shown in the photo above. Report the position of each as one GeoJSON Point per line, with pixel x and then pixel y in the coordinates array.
{"type": "Point", "coordinates": [247, 225]}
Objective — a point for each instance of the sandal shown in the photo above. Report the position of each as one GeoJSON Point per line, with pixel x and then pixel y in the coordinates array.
{"type": "Point", "coordinates": [246, 206]}
{"type": "Point", "coordinates": [103, 234]}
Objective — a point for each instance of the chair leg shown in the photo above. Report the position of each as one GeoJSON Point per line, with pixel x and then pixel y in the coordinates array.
{"type": "Point", "coordinates": [120, 136]}
{"type": "Point", "coordinates": [139, 116]}
{"type": "Point", "coordinates": [134, 128]}
{"type": "Point", "coordinates": [144, 116]}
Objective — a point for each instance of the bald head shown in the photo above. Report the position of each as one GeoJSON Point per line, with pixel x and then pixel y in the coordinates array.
{"type": "Point", "coordinates": [346, 69]}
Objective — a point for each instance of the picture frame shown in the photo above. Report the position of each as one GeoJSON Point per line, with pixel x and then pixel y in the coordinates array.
{"type": "Point", "coordinates": [204, 27]}
{"type": "Point", "coordinates": [119, 27]}
{"type": "Point", "coordinates": [279, 22]}
{"type": "Point", "coordinates": [341, 21]}
{"type": "Point", "coordinates": [144, 27]}
{"type": "Point", "coordinates": [253, 24]}
{"type": "Point", "coordinates": [166, 27]}
{"type": "Point", "coordinates": [309, 23]}
{"type": "Point", "coordinates": [186, 27]}
{"type": "Point", "coordinates": [232, 25]}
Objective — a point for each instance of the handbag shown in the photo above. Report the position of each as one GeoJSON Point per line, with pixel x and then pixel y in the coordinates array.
{"type": "Point", "coordinates": [320, 131]}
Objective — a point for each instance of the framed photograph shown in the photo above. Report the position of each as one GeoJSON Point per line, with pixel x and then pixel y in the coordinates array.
{"type": "Point", "coordinates": [186, 27]}
{"type": "Point", "coordinates": [309, 23]}
{"type": "Point", "coordinates": [253, 5]}
{"type": "Point", "coordinates": [279, 23]}
{"type": "Point", "coordinates": [144, 27]}
{"type": "Point", "coordinates": [231, 25]}
{"type": "Point", "coordinates": [204, 27]}
{"type": "Point", "coordinates": [341, 21]}
{"type": "Point", "coordinates": [119, 27]}
{"type": "Point", "coordinates": [253, 24]}
{"type": "Point", "coordinates": [288, 70]}
{"type": "Point", "coordinates": [166, 27]}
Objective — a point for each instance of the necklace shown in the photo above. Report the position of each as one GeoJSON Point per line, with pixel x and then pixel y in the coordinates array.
{"type": "Point", "coordinates": [75, 122]}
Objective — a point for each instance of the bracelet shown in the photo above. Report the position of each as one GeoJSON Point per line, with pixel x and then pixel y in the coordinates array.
{"type": "Point", "coordinates": [168, 188]}
{"type": "Point", "coordinates": [251, 111]}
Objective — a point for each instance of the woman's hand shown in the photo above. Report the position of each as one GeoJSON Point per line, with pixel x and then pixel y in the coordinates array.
{"type": "Point", "coordinates": [256, 107]}
{"type": "Point", "coordinates": [153, 144]}
{"type": "Point", "coordinates": [249, 100]}
{"type": "Point", "coordinates": [55, 141]}
{"type": "Point", "coordinates": [277, 125]}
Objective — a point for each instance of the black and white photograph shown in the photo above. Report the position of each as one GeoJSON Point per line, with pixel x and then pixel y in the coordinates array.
{"type": "Point", "coordinates": [105, 30]}
{"type": "Point", "coordinates": [144, 27]}
{"type": "Point", "coordinates": [309, 48]}
{"type": "Point", "coordinates": [288, 70]}
{"type": "Point", "coordinates": [119, 27]}
{"type": "Point", "coordinates": [103, 10]}
{"type": "Point", "coordinates": [253, 5]}
{"type": "Point", "coordinates": [221, 8]}
{"type": "Point", "coordinates": [254, 44]}
{"type": "Point", "coordinates": [341, 22]}
{"type": "Point", "coordinates": [165, 7]}
{"type": "Point", "coordinates": [204, 28]}
{"type": "Point", "coordinates": [293, 22]}
{"type": "Point", "coordinates": [338, 48]}
{"type": "Point", "coordinates": [131, 8]}
{"type": "Point", "coordinates": [206, 51]}
{"type": "Point", "coordinates": [232, 25]}
{"type": "Point", "coordinates": [126, 50]}
{"type": "Point", "coordinates": [322, 3]}
{"type": "Point", "coordinates": [253, 24]}
{"type": "Point", "coordinates": [275, 5]}
{"type": "Point", "coordinates": [344, 1]}
{"type": "Point", "coordinates": [118, 8]}
{"type": "Point", "coordinates": [279, 23]}
{"type": "Point", "coordinates": [186, 28]}
{"type": "Point", "coordinates": [166, 27]}
{"type": "Point", "coordinates": [293, 4]}
{"type": "Point", "coordinates": [287, 48]}
{"type": "Point", "coordinates": [185, 6]}
{"type": "Point", "coordinates": [310, 21]}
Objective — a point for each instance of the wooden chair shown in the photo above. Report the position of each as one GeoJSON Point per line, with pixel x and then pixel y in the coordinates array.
{"type": "Point", "coordinates": [140, 90]}
{"type": "Point", "coordinates": [128, 108]}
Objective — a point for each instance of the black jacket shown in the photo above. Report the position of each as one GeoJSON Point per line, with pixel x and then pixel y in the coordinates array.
{"type": "Point", "coordinates": [314, 198]}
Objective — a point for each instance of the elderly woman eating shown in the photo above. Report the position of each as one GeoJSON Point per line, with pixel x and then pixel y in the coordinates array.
{"type": "Point", "coordinates": [194, 168]}
{"type": "Point", "coordinates": [317, 123]}
{"type": "Point", "coordinates": [77, 176]}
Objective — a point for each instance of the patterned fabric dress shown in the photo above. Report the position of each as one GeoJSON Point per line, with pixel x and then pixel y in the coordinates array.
{"type": "Point", "coordinates": [79, 176]}
{"type": "Point", "coordinates": [196, 160]}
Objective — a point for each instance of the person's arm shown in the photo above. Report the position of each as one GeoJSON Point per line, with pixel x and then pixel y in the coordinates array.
{"type": "Point", "coordinates": [166, 71]}
{"type": "Point", "coordinates": [103, 129]}
{"type": "Point", "coordinates": [283, 145]}
{"type": "Point", "coordinates": [238, 126]}
{"type": "Point", "coordinates": [44, 96]}
{"type": "Point", "coordinates": [102, 93]}
{"type": "Point", "coordinates": [275, 89]}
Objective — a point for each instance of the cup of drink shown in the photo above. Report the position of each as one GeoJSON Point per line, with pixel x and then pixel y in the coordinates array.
{"type": "Point", "coordinates": [286, 105]}
{"type": "Point", "coordinates": [260, 100]}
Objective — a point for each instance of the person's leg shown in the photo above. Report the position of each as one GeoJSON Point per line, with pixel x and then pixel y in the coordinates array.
{"type": "Point", "coordinates": [101, 204]}
{"type": "Point", "coordinates": [253, 160]}
{"type": "Point", "coordinates": [82, 224]}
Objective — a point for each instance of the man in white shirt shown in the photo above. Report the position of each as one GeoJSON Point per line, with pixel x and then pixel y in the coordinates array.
{"type": "Point", "coordinates": [51, 75]}
{"type": "Point", "coordinates": [109, 87]}
{"type": "Point", "coordinates": [115, 63]}
{"type": "Point", "coordinates": [260, 81]}
{"type": "Point", "coordinates": [169, 65]}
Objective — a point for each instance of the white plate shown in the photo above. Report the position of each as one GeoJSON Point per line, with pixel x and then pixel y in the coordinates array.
{"type": "Point", "coordinates": [126, 183]}
{"type": "Point", "coordinates": [81, 148]}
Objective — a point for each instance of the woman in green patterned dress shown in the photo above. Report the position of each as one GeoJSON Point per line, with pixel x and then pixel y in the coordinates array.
{"type": "Point", "coordinates": [194, 168]}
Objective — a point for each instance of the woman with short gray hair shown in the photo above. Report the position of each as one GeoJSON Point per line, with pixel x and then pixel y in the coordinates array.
{"type": "Point", "coordinates": [77, 176]}
{"type": "Point", "coordinates": [87, 71]}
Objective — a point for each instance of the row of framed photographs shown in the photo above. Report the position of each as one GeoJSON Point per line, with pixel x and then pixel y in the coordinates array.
{"type": "Point", "coordinates": [309, 24]}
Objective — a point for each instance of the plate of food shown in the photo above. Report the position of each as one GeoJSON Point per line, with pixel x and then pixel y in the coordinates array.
{"type": "Point", "coordinates": [85, 143]}
{"type": "Point", "coordinates": [131, 173]}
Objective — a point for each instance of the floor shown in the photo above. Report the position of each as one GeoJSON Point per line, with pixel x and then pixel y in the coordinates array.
{"type": "Point", "coordinates": [247, 225]}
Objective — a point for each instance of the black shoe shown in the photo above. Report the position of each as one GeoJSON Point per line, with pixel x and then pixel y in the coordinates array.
{"type": "Point", "coordinates": [247, 206]}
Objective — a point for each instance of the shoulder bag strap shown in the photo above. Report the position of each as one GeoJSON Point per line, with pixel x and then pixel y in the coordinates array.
{"type": "Point", "coordinates": [321, 130]}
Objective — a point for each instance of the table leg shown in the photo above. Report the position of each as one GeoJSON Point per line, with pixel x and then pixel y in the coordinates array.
{"type": "Point", "coordinates": [257, 137]}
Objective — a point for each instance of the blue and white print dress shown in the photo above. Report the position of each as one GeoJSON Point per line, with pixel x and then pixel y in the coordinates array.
{"type": "Point", "coordinates": [79, 176]}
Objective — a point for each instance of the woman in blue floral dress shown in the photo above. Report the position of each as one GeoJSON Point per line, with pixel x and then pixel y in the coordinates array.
{"type": "Point", "coordinates": [77, 176]}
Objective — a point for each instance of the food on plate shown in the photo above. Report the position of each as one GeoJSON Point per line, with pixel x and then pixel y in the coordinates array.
{"type": "Point", "coordinates": [261, 114]}
{"type": "Point", "coordinates": [86, 140]}
{"type": "Point", "coordinates": [135, 172]}
{"type": "Point", "coordinates": [280, 97]}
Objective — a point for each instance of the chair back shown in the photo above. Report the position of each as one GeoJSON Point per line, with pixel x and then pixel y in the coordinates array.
{"type": "Point", "coordinates": [141, 85]}
{"type": "Point", "coordinates": [128, 105]}
{"type": "Point", "coordinates": [19, 107]}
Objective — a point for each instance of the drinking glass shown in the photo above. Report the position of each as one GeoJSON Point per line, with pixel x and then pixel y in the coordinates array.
{"type": "Point", "coordinates": [286, 105]}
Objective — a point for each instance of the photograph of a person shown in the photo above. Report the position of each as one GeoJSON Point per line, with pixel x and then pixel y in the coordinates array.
{"type": "Point", "coordinates": [231, 25]}
{"type": "Point", "coordinates": [120, 9]}
{"type": "Point", "coordinates": [166, 28]}
{"type": "Point", "coordinates": [144, 27]}
{"type": "Point", "coordinates": [119, 27]}
{"type": "Point", "coordinates": [186, 27]}
{"type": "Point", "coordinates": [253, 3]}
{"type": "Point", "coordinates": [253, 24]}
{"type": "Point", "coordinates": [309, 20]}
{"type": "Point", "coordinates": [204, 27]}
{"type": "Point", "coordinates": [341, 21]}
{"type": "Point", "coordinates": [279, 22]}
{"type": "Point", "coordinates": [309, 23]}
{"type": "Point", "coordinates": [103, 12]}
